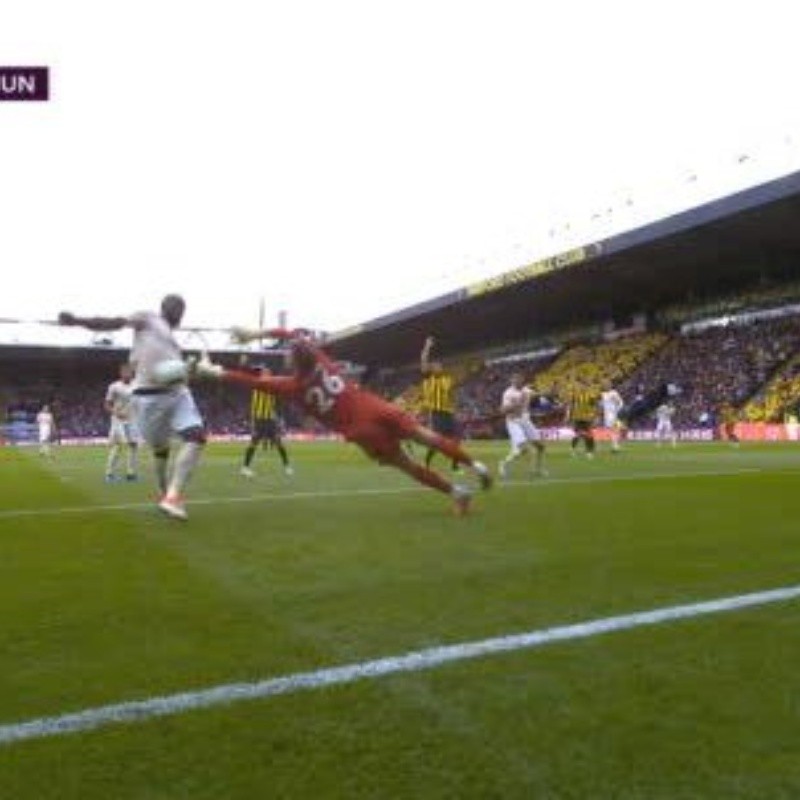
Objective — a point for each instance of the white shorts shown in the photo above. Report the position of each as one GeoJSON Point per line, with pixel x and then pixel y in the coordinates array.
{"type": "Point", "coordinates": [610, 420]}
{"type": "Point", "coordinates": [162, 416]}
{"type": "Point", "coordinates": [521, 431]}
{"type": "Point", "coordinates": [664, 428]}
{"type": "Point", "coordinates": [122, 431]}
{"type": "Point", "coordinates": [45, 434]}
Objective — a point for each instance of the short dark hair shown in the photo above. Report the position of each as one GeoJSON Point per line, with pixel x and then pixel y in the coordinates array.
{"type": "Point", "coordinates": [172, 299]}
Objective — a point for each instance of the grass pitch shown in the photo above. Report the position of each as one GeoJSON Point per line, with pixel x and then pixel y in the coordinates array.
{"type": "Point", "coordinates": [103, 600]}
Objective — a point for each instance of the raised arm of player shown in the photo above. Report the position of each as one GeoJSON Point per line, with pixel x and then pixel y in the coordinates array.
{"type": "Point", "coordinates": [425, 355]}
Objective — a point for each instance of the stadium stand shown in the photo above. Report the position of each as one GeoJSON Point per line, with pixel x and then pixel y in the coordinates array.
{"type": "Point", "coordinates": [593, 365]}
{"type": "Point", "coordinates": [754, 299]}
{"type": "Point", "coordinates": [719, 365]}
{"type": "Point", "coordinates": [750, 364]}
{"type": "Point", "coordinates": [779, 397]}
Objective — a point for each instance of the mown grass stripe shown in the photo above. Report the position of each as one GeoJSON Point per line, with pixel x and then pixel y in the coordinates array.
{"type": "Point", "coordinates": [415, 661]}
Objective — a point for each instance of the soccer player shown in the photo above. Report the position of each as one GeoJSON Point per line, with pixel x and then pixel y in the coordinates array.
{"type": "Point", "coordinates": [122, 431]}
{"type": "Point", "coordinates": [612, 403]}
{"type": "Point", "coordinates": [161, 411]}
{"type": "Point", "coordinates": [437, 398]}
{"type": "Point", "coordinates": [375, 425]}
{"type": "Point", "coordinates": [664, 429]}
{"type": "Point", "coordinates": [581, 413]}
{"type": "Point", "coordinates": [729, 418]}
{"type": "Point", "coordinates": [46, 424]}
{"type": "Point", "coordinates": [522, 433]}
{"type": "Point", "coordinates": [265, 427]}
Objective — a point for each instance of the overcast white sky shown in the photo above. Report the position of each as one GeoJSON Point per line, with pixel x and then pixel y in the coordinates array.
{"type": "Point", "coordinates": [346, 158]}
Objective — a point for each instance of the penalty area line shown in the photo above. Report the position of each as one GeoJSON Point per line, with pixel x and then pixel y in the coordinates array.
{"type": "Point", "coordinates": [415, 661]}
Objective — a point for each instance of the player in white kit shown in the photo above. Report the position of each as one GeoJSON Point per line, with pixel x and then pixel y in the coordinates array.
{"type": "Point", "coordinates": [664, 429]}
{"type": "Point", "coordinates": [122, 432]}
{"type": "Point", "coordinates": [161, 412]}
{"type": "Point", "coordinates": [524, 436]}
{"type": "Point", "coordinates": [612, 404]}
{"type": "Point", "coordinates": [45, 422]}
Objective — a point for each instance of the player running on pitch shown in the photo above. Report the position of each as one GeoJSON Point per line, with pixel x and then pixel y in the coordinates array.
{"type": "Point", "coordinates": [378, 427]}
{"type": "Point", "coordinates": [46, 424]}
{"type": "Point", "coordinates": [664, 430]}
{"type": "Point", "coordinates": [524, 436]}
{"type": "Point", "coordinates": [612, 404]}
{"type": "Point", "coordinates": [122, 431]}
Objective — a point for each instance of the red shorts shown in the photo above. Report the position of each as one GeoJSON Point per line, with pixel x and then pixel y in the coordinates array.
{"type": "Point", "coordinates": [378, 427]}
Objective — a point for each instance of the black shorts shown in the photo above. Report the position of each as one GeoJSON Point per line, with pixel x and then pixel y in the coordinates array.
{"type": "Point", "coordinates": [265, 430]}
{"type": "Point", "coordinates": [444, 423]}
{"type": "Point", "coordinates": [582, 426]}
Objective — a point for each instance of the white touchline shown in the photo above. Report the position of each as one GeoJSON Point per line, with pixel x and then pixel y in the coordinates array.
{"type": "Point", "coordinates": [141, 710]}
{"type": "Point", "coordinates": [12, 513]}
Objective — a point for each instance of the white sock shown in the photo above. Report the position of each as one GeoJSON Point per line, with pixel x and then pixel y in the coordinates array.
{"type": "Point", "coordinates": [111, 462]}
{"type": "Point", "coordinates": [133, 458]}
{"type": "Point", "coordinates": [185, 462]}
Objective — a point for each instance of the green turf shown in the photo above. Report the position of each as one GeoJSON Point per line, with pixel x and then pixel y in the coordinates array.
{"type": "Point", "coordinates": [102, 600]}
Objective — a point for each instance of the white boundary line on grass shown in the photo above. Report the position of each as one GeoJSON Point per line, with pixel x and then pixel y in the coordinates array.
{"type": "Point", "coordinates": [542, 483]}
{"type": "Point", "coordinates": [415, 661]}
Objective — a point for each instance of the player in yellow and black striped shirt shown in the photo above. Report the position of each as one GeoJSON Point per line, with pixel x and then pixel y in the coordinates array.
{"type": "Point", "coordinates": [265, 429]}
{"type": "Point", "coordinates": [438, 398]}
{"type": "Point", "coordinates": [582, 412]}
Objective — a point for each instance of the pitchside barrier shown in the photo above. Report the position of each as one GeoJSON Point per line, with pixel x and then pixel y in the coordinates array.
{"type": "Point", "coordinates": [745, 431]}
{"type": "Point", "coordinates": [768, 432]}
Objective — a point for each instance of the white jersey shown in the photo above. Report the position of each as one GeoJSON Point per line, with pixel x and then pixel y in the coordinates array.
{"type": "Point", "coordinates": [516, 403]}
{"type": "Point", "coordinates": [516, 406]}
{"type": "Point", "coordinates": [153, 342]}
{"type": "Point", "coordinates": [611, 402]}
{"type": "Point", "coordinates": [664, 413]}
{"type": "Point", "coordinates": [664, 422]}
{"type": "Point", "coordinates": [119, 396]}
{"type": "Point", "coordinates": [44, 419]}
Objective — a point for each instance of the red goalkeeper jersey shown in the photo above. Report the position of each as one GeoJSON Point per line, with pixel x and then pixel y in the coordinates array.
{"type": "Point", "coordinates": [320, 391]}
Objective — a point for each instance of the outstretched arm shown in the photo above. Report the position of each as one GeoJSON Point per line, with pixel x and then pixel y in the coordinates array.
{"type": "Point", "coordinates": [244, 335]}
{"type": "Point", "coordinates": [94, 323]}
{"type": "Point", "coordinates": [296, 335]}
{"type": "Point", "coordinates": [276, 384]}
